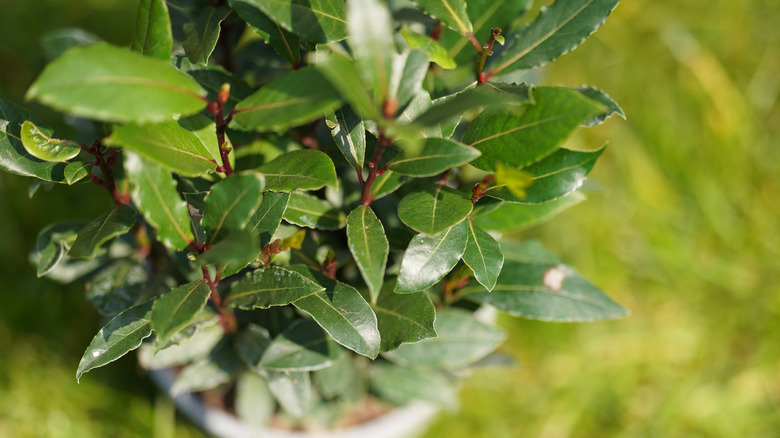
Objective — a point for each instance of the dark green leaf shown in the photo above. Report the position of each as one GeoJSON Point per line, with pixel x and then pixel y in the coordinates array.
{"type": "Point", "coordinates": [215, 370]}
{"type": "Point", "coordinates": [56, 42]}
{"type": "Point", "coordinates": [542, 288]}
{"type": "Point", "coordinates": [303, 346]}
{"type": "Point", "coordinates": [434, 209]}
{"type": "Point", "coordinates": [231, 203]}
{"type": "Point", "coordinates": [109, 83]}
{"type": "Point", "coordinates": [450, 12]}
{"type": "Point", "coordinates": [349, 134]}
{"type": "Point", "coordinates": [305, 169]}
{"type": "Point", "coordinates": [121, 335]}
{"type": "Point", "coordinates": [152, 32]}
{"type": "Point", "coordinates": [369, 247]}
{"type": "Point", "coordinates": [292, 390]}
{"type": "Point", "coordinates": [557, 30]}
{"type": "Point", "coordinates": [453, 106]}
{"type": "Point", "coordinates": [386, 183]}
{"type": "Point", "coordinates": [272, 286]}
{"type": "Point", "coordinates": [308, 211]}
{"type": "Point", "coordinates": [268, 216]}
{"type": "Point", "coordinates": [52, 245]}
{"type": "Point", "coordinates": [518, 138]}
{"type": "Point", "coordinates": [202, 35]}
{"type": "Point", "coordinates": [429, 258]}
{"type": "Point", "coordinates": [435, 51]}
{"type": "Point", "coordinates": [117, 287]}
{"type": "Point", "coordinates": [371, 40]}
{"type": "Point", "coordinates": [233, 253]}
{"type": "Point", "coordinates": [320, 21]}
{"type": "Point", "coordinates": [177, 309]}
{"type": "Point", "coordinates": [483, 255]}
{"type": "Point", "coordinates": [111, 224]}
{"type": "Point", "coordinates": [604, 99]}
{"type": "Point", "coordinates": [461, 340]}
{"type": "Point", "coordinates": [154, 192]}
{"type": "Point", "coordinates": [342, 312]}
{"type": "Point", "coordinates": [510, 217]}
{"type": "Point", "coordinates": [436, 156]}
{"type": "Point", "coordinates": [45, 148]}
{"type": "Point", "coordinates": [554, 177]}
{"type": "Point", "coordinates": [211, 78]}
{"type": "Point", "coordinates": [283, 42]}
{"type": "Point", "coordinates": [409, 69]}
{"type": "Point", "coordinates": [403, 317]}
{"type": "Point", "coordinates": [294, 99]}
{"type": "Point", "coordinates": [403, 385]}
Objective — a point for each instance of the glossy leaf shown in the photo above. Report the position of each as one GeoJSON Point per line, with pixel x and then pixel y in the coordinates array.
{"type": "Point", "coordinates": [203, 33]}
{"type": "Point", "coordinates": [403, 317]}
{"type": "Point", "coordinates": [121, 335]}
{"type": "Point", "coordinates": [268, 216]}
{"type": "Point", "coordinates": [152, 32]}
{"type": "Point", "coordinates": [303, 346]}
{"type": "Point", "coordinates": [369, 246]}
{"type": "Point", "coordinates": [233, 253]}
{"type": "Point", "coordinates": [167, 144]}
{"type": "Point", "coordinates": [554, 177]}
{"type": "Point", "coordinates": [535, 285]}
{"type": "Point", "coordinates": [435, 51]}
{"type": "Point", "coordinates": [117, 287]}
{"type": "Point", "coordinates": [271, 286]}
{"type": "Point", "coordinates": [434, 209]}
{"type": "Point", "coordinates": [308, 211]}
{"type": "Point", "coordinates": [105, 82]}
{"type": "Point", "coordinates": [521, 138]}
{"type": "Point", "coordinates": [319, 21]}
{"type": "Point", "coordinates": [436, 156]}
{"type": "Point", "coordinates": [342, 312]}
{"type": "Point", "coordinates": [305, 169]}
{"type": "Point", "coordinates": [75, 171]}
{"type": "Point", "coordinates": [283, 42]}
{"type": "Point", "coordinates": [292, 390]}
{"type": "Point", "coordinates": [294, 99]}
{"type": "Point", "coordinates": [460, 341]}
{"type": "Point", "coordinates": [510, 216]}
{"type": "Point", "coordinates": [204, 128]}
{"type": "Point", "coordinates": [349, 133]}
{"type": "Point", "coordinates": [155, 194]}
{"type": "Point", "coordinates": [231, 203]}
{"type": "Point", "coordinates": [371, 40]}
{"type": "Point", "coordinates": [557, 30]}
{"type": "Point", "coordinates": [453, 106]}
{"type": "Point", "coordinates": [52, 245]}
{"type": "Point", "coordinates": [208, 373]}
{"type": "Point", "coordinates": [604, 99]}
{"type": "Point", "coordinates": [450, 12]}
{"type": "Point", "coordinates": [408, 73]}
{"type": "Point", "coordinates": [387, 183]}
{"type": "Point", "coordinates": [111, 224]}
{"type": "Point", "coordinates": [177, 309]}
{"type": "Point", "coordinates": [429, 258]}
{"type": "Point", "coordinates": [45, 148]}
{"type": "Point", "coordinates": [483, 255]}
{"type": "Point", "coordinates": [403, 385]}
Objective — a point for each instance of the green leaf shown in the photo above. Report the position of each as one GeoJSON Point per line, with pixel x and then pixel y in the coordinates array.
{"type": "Point", "coordinates": [117, 287]}
{"type": "Point", "coordinates": [511, 217]}
{"type": "Point", "coordinates": [105, 82]}
{"type": "Point", "coordinates": [155, 194]}
{"type": "Point", "coordinates": [208, 373]}
{"type": "Point", "coordinates": [319, 21]}
{"type": "Point", "coordinates": [167, 144]}
{"type": "Point", "coordinates": [75, 171]}
{"type": "Point", "coordinates": [303, 346]}
{"type": "Point", "coordinates": [283, 42]}
{"type": "Point", "coordinates": [342, 312]}
{"type": "Point", "coordinates": [554, 177]}
{"type": "Point", "coordinates": [53, 243]}
{"type": "Point", "coordinates": [369, 247]}
{"type": "Point", "coordinates": [254, 403]}
{"type": "Point", "coordinates": [152, 32]}
{"type": "Point", "coordinates": [204, 129]}
{"type": "Point", "coordinates": [202, 35]}
{"type": "Point", "coordinates": [483, 255]}
{"type": "Point", "coordinates": [540, 287]}
{"type": "Point", "coordinates": [604, 99]}
{"type": "Point", "coordinates": [403, 318]}
{"type": "Point", "coordinates": [121, 335]}
{"type": "Point", "coordinates": [435, 51]}
{"type": "Point", "coordinates": [211, 78]}
{"type": "Point", "coordinates": [233, 253]}
{"type": "Point", "coordinates": [335, 380]}
{"type": "Point", "coordinates": [231, 204]}
{"type": "Point", "coordinates": [447, 108]}
{"type": "Point", "coordinates": [371, 40]}
{"type": "Point", "coordinates": [557, 30]}
{"type": "Point", "coordinates": [429, 258]}
{"type": "Point", "coordinates": [45, 148]}
{"type": "Point", "coordinates": [251, 344]}
{"type": "Point", "coordinates": [305, 169]}
{"type": "Point", "coordinates": [292, 390]}
{"type": "Point", "coordinates": [268, 216]}
{"type": "Point", "coordinates": [294, 99]}
{"type": "Point", "coordinates": [519, 138]}
{"type": "Point", "coordinates": [401, 385]}
{"type": "Point", "coordinates": [436, 156]}
{"type": "Point", "coordinates": [461, 340]}
{"type": "Point", "coordinates": [343, 74]}
{"type": "Point", "coordinates": [111, 224]}
{"type": "Point", "coordinates": [56, 42]}
{"type": "Point", "coordinates": [177, 309]}
{"type": "Point", "coordinates": [386, 183]}
{"type": "Point", "coordinates": [308, 211]}
{"type": "Point", "coordinates": [450, 12]}
{"type": "Point", "coordinates": [409, 70]}
{"type": "Point", "coordinates": [271, 286]}
{"type": "Point", "coordinates": [349, 133]}
{"type": "Point", "coordinates": [434, 209]}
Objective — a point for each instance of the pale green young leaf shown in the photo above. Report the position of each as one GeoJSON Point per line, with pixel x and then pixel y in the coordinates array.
{"type": "Point", "coordinates": [283, 42]}
{"type": "Point", "coordinates": [319, 21]}
{"type": "Point", "coordinates": [349, 133]}
{"type": "Point", "coordinates": [403, 318]}
{"type": "Point", "coordinates": [371, 40]}
{"type": "Point", "coordinates": [109, 83]}
{"type": "Point", "coordinates": [177, 309]}
{"type": "Point", "coordinates": [434, 209]}
{"type": "Point", "coordinates": [511, 216]}
{"type": "Point", "coordinates": [111, 224]}
{"type": "Point", "coordinates": [304, 169]}
{"type": "Point", "coordinates": [203, 33]}
{"type": "Point", "coordinates": [271, 286]}
{"type": "Point", "coordinates": [436, 156]}
{"type": "Point", "coordinates": [310, 212]}
{"type": "Point", "coordinates": [369, 247]}
{"type": "Point", "coordinates": [45, 148]}
{"type": "Point", "coordinates": [75, 171]}
{"type": "Point", "coordinates": [152, 34]}
{"type": "Point", "coordinates": [231, 203]}
{"type": "Point", "coordinates": [303, 346]}
{"type": "Point", "coordinates": [483, 255]}
{"type": "Point", "coordinates": [429, 258]}
{"type": "Point", "coordinates": [435, 51]}
{"type": "Point", "coordinates": [450, 12]}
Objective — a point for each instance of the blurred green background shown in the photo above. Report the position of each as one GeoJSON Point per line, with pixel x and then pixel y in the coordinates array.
{"type": "Point", "coordinates": [683, 231]}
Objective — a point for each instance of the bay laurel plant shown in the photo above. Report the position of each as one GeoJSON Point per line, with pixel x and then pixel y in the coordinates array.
{"type": "Point", "coordinates": [307, 196]}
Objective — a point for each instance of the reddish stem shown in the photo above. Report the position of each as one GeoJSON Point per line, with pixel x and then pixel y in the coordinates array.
{"type": "Point", "coordinates": [382, 143]}
{"type": "Point", "coordinates": [217, 109]}
{"type": "Point", "coordinates": [436, 33]}
{"type": "Point", "coordinates": [227, 319]}
{"type": "Point", "coordinates": [487, 50]}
